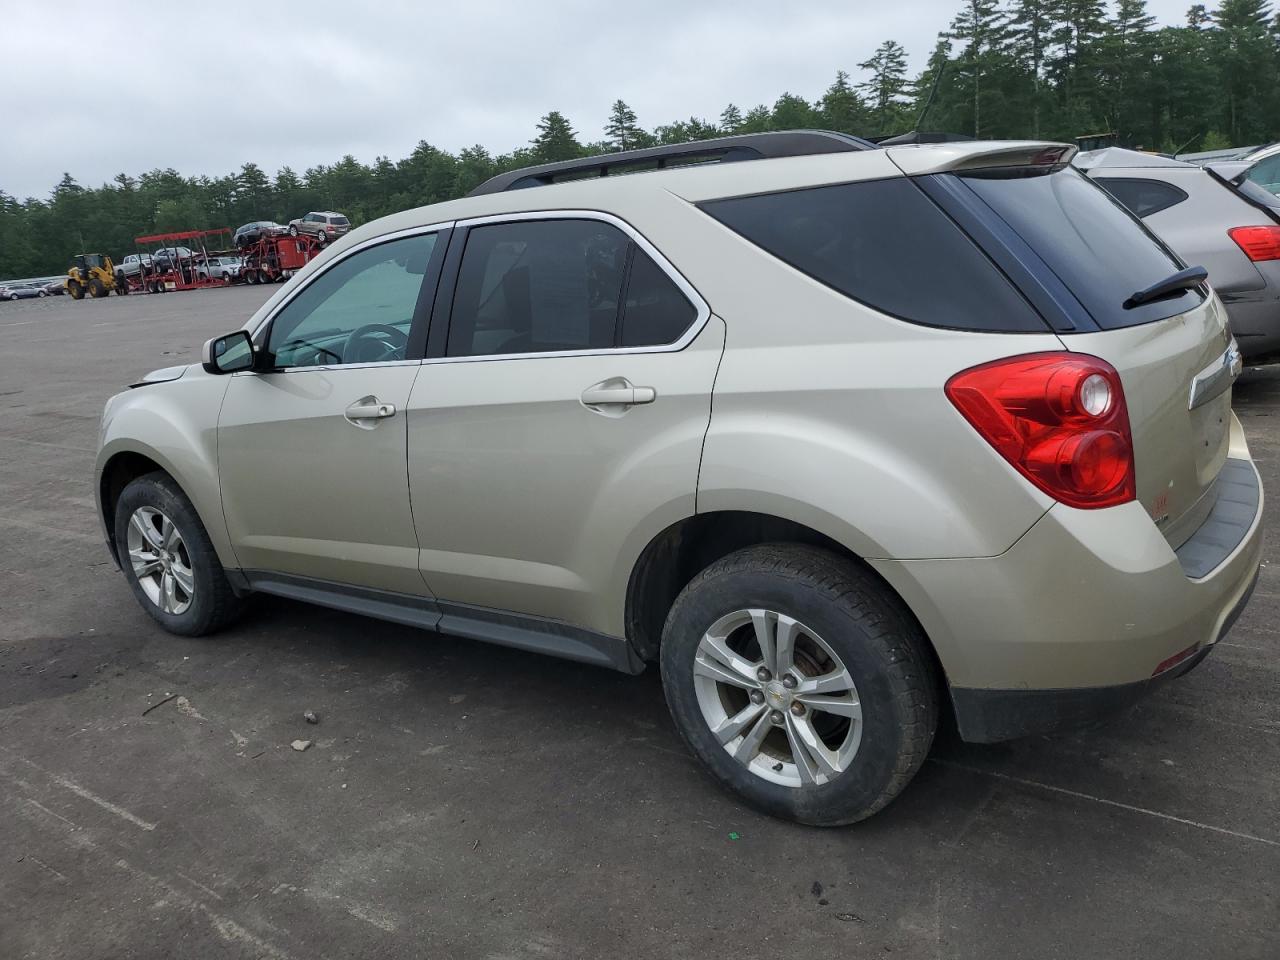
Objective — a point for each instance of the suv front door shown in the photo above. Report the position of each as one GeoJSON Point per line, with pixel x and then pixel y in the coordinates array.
{"type": "Point", "coordinates": [558, 421]}
{"type": "Point", "coordinates": [312, 454]}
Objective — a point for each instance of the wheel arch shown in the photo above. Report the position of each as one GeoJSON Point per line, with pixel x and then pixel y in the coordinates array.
{"type": "Point", "coordinates": [682, 550]}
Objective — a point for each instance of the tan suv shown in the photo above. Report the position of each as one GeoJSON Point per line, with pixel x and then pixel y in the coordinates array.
{"type": "Point", "coordinates": [841, 438]}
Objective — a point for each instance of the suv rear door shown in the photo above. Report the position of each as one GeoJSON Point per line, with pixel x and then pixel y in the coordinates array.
{"type": "Point", "coordinates": [558, 420]}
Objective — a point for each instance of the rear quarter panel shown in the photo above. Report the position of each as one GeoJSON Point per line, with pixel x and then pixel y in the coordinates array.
{"type": "Point", "coordinates": [833, 415]}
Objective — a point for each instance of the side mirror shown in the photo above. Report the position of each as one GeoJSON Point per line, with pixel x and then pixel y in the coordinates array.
{"type": "Point", "coordinates": [228, 353]}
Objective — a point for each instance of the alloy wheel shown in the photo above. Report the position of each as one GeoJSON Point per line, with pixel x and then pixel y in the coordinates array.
{"type": "Point", "coordinates": [777, 698]}
{"type": "Point", "coordinates": [160, 561]}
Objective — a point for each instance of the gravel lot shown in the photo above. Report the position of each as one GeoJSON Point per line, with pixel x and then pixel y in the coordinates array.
{"type": "Point", "coordinates": [468, 801]}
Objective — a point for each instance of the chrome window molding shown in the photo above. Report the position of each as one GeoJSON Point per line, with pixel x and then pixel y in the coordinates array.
{"type": "Point", "coordinates": [703, 311]}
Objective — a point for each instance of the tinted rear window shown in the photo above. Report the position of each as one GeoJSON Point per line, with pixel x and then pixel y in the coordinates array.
{"type": "Point", "coordinates": [1088, 240]}
{"type": "Point", "coordinates": [340, 221]}
{"type": "Point", "coordinates": [887, 245]}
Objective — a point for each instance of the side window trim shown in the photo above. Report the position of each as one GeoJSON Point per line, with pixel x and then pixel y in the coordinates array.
{"type": "Point", "coordinates": [441, 316]}
{"type": "Point", "coordinates": [418, 331]}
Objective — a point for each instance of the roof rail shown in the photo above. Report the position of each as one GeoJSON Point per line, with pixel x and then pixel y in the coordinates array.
{"type": "Point", "coordinates": [746, 146]}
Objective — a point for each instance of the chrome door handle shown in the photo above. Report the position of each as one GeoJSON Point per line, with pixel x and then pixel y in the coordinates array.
{"type": "Point", "coordinates": [370, 408]}
{"type": "Point", "coordinates": [617, 392]}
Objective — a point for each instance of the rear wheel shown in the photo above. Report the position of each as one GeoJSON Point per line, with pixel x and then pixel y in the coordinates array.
{"type": "Point", "coordinates": [801, 682]}
{"type": "Point", "coordinates": [168, 559]}
{"type": "Point", "coordinates": [41, 294]}
{"type": "Point", "coordinates": [293, 229]}
{"type": "Point", "coordinates": [321, 239]}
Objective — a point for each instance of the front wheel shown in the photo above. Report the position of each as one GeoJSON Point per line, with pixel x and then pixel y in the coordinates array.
{"type": "Point", "coordinates": [168, 559]}
{"type": "Point", "coordinates": [41, 294]}
{"type": "Point", "coordinates": [801, 682]}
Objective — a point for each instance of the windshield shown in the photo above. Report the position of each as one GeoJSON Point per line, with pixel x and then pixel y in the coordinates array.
{"type": "Point", "coordinates": [1095, 246]}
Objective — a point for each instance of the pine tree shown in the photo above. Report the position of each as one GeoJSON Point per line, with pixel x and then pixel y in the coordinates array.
{"type": "Point", "coordinates": [1247, 55]}
{"type": "Point", "coordinates": [730, 119]}
{"type": "Point", "coordinates": [792, 113]}
{"type": "Point", "coordinates": [888, 83]}
{"type": "Point", "coordinates": [981, 30]}
{"type": "Point", "coordinates": [621, 130]}
{"type": "Point", "coordinates": [1198, 17]}
{"type": "Point", "coordinates": [1030, 24]}
{"type": "Point", "coordinates": [1076, 39]}
{"type": "Point", "coordinates": [1126, 70]}
{"type": "Point", "coordinates": [841, 108]}
{"type": "Point", "coordinates": [556, 139]}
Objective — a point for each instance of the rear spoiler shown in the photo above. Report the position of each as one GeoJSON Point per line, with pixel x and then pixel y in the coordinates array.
{"type": "Point", "coordinates": [958, 157]}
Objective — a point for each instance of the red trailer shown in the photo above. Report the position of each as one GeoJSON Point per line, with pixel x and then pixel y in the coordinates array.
{"type": "Point", "coordinates": [178, 261]}
{"type": "Point", "coordinates": [276, 258]}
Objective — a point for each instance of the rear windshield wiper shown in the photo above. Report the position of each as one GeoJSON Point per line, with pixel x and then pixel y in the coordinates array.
{"type": "Point", "coordinates": [1168, 287]}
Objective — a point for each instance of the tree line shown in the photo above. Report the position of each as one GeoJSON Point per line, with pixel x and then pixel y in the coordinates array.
{"type": "Point", "coordinates": [1051, 69]}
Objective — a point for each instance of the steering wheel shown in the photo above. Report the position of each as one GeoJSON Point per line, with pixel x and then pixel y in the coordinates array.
{"type": "Point", "coordinates": [360, 341]}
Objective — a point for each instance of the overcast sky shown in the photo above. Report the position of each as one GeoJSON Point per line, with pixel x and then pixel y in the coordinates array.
{"type": "Point", "coordinates": [205, 87]}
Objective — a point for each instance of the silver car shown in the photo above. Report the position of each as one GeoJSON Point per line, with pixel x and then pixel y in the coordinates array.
{"type": "Point", "coordinates": [1211, 221]}
{"type": "Point", "coordinates": [839, 439]}
{"type": "Point", "coordinates": [219, 268]}
{"type": "Point", "coordinates": [324, 225]}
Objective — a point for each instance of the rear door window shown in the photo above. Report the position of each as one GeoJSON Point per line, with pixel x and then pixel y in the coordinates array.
{"type": "Point", "coordinates": [1092, 243]}
{"type": "Point", "coordinates": [887, 245]}
{"type": "Point", "coordinates": [1141, 196]}
{"type": "Point", "coordinates": [534, 286]}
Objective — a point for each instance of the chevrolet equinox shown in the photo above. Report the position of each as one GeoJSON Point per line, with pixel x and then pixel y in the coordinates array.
{"type": "Point", "coordinates": [840, 438]}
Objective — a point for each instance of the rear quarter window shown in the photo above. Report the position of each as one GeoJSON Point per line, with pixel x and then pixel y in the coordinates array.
{"type": "Point", "coordinates": [885, 244]}
{"type": "Point", "coordinates": [1142, 197]}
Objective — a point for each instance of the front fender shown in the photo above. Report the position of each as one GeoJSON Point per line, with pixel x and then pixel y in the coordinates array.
{"type": "Point", "coordinates": [175, 425]}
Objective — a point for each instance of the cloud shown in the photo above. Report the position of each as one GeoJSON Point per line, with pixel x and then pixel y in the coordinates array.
{"type": "Point", "coordinates": [205, 88]}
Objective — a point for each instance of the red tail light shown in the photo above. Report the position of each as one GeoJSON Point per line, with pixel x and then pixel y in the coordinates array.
{"type": "Point", "coordinates": [1258, 243]}
{"type": "Point", "coordinates": [1059, 418]}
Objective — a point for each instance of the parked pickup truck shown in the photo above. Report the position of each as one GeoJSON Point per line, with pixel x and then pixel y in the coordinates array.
{"type": "Point", "coordinates": [133, 265]}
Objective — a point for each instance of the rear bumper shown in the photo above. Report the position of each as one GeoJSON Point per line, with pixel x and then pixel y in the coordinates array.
{"type": "Point", "coordinates": [989, 716]}
{"type": "Point", "coordinates": [1077, 618]}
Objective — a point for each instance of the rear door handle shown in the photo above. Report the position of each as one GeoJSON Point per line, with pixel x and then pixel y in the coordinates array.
{"type": "Point", "coordinates": [370, 408]}
{"type": "Point", "coordinates": [617, 392]}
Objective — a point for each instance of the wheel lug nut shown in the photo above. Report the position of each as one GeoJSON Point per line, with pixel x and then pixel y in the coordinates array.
{"type": "Point", "coordinates": [775, 718]}
{"type": "Point", "coordinates": [763, 675]}
{"type": "Point", "coordinates": [789, 682]}
{"type": "Point", "coordinates": [797, 709]}
{"type": "Point", "coordinates": [757, 697]}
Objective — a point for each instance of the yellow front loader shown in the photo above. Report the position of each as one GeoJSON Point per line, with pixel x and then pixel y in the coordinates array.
{"type": "Point", "coordinates": [93, 274]}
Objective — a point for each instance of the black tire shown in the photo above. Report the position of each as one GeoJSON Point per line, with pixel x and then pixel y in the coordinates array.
{"type": "Point", "coordinates": [76, 290]}
{"type": "Point", "coordinates": [321, 239]}
{"type": "Point", "coordinates": [213, 604]}
{"type": "Point", "coordinates": [97, 288]}
{"type": "Point", "coordinates": [42, 294]}
{"type": "Point", "coordinates": [122, 288]}
{"type": "Point", "coordinates": [865, 625]}
{"type": "Point", "coordinates": [293, 230]}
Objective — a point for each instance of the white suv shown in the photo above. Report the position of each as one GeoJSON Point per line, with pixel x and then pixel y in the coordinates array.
{"type": "Point", "coordinates": [841, 438]}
